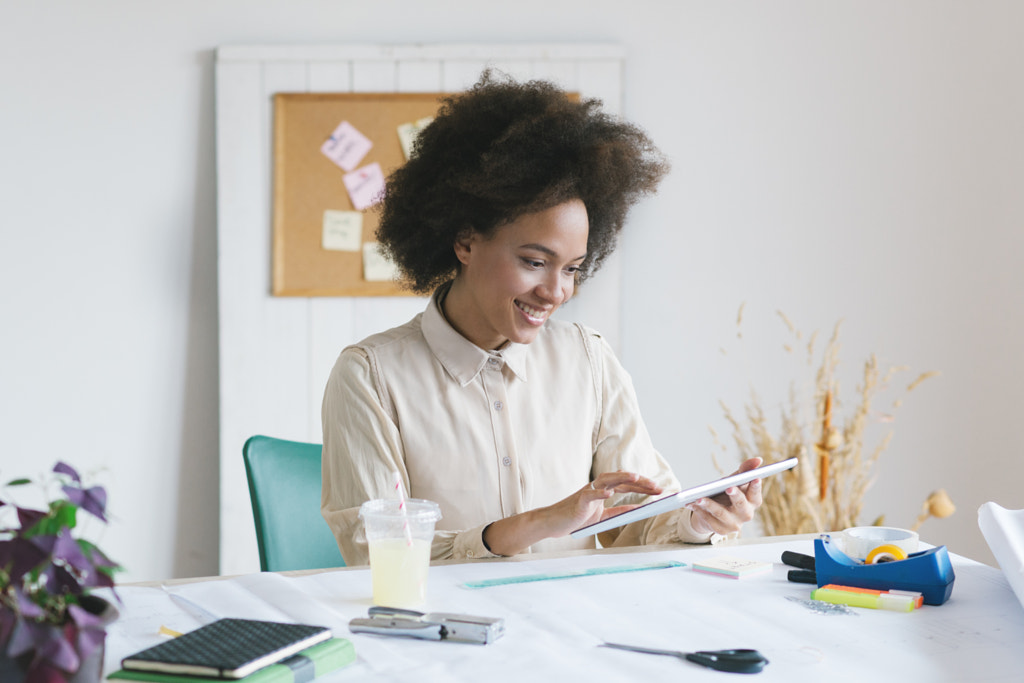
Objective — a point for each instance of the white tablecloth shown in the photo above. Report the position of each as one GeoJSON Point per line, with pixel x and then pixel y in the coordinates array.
{"type": "Point", "coordinates": [553, 628]}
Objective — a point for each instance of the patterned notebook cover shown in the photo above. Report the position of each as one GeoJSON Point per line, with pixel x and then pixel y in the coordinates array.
{"type": "Point", "coordinates": [228, 648]}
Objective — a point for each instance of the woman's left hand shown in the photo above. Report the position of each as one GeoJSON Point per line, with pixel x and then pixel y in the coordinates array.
{"type": "Point", "coordinates": [727, 512]}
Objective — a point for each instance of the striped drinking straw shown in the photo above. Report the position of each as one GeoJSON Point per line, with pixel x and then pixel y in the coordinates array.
{"type": "Point", "coordinates": [401, 506]}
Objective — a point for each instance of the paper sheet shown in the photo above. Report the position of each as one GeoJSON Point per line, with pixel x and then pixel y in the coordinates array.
{"type": "Point", "coordinates": [342, 230]}
{"type": "Point", "coordinates": [1004, 532]}
{"type": "Point", "coordinates": [376, 266]}
{"type": "Point", "coordinates": [347, 146]}
{"type": "Point", "coordinates": [365, 186]}
{"type": "Point", "coordinates": [408, 132]}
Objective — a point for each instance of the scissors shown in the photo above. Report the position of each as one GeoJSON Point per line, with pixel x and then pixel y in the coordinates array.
{"type": "Point", "coordinates": [733, 661]}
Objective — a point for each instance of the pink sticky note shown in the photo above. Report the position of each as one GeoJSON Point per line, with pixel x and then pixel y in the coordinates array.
{"type": "Point", "coordinates": [365, 186]}
{"type": "Point", "coordinates": [347, 146]}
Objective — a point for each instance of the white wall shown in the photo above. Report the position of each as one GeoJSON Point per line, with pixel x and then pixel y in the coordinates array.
{"type": "Point", "coordinates": [857, 160]}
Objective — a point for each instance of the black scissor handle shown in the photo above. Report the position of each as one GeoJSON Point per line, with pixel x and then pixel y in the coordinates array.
{"type": "Point", "coordinates": [733, 661]}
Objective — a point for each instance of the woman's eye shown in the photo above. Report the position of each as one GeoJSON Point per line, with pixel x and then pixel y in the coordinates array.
{"type": "Point", "coordinates": [533, 263]}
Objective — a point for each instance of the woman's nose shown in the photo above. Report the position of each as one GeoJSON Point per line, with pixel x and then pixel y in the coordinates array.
{"type": "Point", "coordinates": [556, 288]}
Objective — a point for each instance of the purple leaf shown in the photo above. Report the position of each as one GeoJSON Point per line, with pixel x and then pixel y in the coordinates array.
{"type": "Point", "coordinates": [7, 623]}
{"type": "Point", "coordinates": [21, 555]}
{"type": "Point", "coordinates": [26, 606]}
{"type": "Point", "coordinates": [91, 630]}
{"type": "Point", "coordinates": [58, 651]}
{"type": "Point", "coordinates": [92, 500]}
{"type": "Point", "coordinates": [27, 517]}
{"type": "Point", "coordinates": [83, 618]}
{"type": "Point", "coordinates": [29, 636]}
{"type": "Point", "coordinates": [66, 548]}
{"type": "Point", "coordinates": [42, 672]}
{"type": "Point", "coordinates": [97, 556]}
{"type": "Point", "coordinates": [60, 580]}
{"type": "Point", "coordinates": [64, 468]}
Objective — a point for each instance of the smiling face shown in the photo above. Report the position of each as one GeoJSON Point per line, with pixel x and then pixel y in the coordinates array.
{"type": "Point", "coordinates": [510, 283]}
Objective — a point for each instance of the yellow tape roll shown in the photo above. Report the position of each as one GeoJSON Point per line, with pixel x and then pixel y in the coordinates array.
{"type": "Point", "coordinates": [885, 553]}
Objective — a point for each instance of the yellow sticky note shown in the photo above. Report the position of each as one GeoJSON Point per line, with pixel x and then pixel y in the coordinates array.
{"type": "Point", "coordinates": [377, 267]}
{"type": "Point", "coordinates": [407, 133]}
{"type": "Point", "coordinates": [342, 230]}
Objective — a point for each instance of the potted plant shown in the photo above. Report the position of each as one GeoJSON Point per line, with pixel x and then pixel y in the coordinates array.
{"type": "Point", "coordinates": [52, 628]}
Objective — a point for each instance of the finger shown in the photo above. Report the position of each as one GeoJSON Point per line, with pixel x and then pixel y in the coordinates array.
{"type": "Point", "coordinates": [609, 480]}
{"type": "Point", "coordinates": [753, 493]}
{"type": "Point", "coordinates": [626, 482]}
{"type": "Point", "coordinates": [617, 510]}
{"type": "Point", "coordinates": [739, 506]}
{"type": "Point", "coordinates": [749, 464]}
{"type": "Point", "coordinates": [708, 514]}
{"type": "Point", "coordinates": [592, 492]}
{"type": "Point", "coordinates": [649, 488]}
{"type": "Point", "coordinates": [734, 511]}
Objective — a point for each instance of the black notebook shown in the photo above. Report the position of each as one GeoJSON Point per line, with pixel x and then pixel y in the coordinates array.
{"type": "Point", "coordinates": [228, 648]}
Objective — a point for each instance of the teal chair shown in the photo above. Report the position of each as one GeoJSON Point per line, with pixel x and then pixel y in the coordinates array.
{"type": "Point", "coordinates": [284, 486]}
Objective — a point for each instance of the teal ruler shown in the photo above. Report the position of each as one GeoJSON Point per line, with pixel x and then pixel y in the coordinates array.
{"type": "Point", "coordinates": [594, 571]}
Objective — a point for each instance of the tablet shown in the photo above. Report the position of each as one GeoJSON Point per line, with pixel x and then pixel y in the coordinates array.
{"type": "Point", "coordinates": [674, 501]}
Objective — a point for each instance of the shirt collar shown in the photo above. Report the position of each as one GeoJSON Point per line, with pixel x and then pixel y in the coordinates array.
{"type": "Point", "coordinates": [461, 358]}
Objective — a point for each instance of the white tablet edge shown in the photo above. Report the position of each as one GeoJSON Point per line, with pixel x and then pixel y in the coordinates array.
{"type": "Point", "coordinates": [674, 501]}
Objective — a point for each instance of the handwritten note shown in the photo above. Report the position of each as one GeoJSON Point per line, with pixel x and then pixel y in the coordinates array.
{"type": "Point", "coordinates": [365, 186]}
{"type": "Point", "coordinates": [342, 230]}
{"type": "Point", "coordinates": [347, 146]}
{"type": "Point", "coordinates": [407, 133]}
{"type": "Point", "coordinates": [376, 266]}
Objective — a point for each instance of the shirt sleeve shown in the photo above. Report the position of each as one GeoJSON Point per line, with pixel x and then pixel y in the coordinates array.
{"type": "Point", "coordinates": [362, 448]}
{"type": "Point", "coordinates": [622, 443]}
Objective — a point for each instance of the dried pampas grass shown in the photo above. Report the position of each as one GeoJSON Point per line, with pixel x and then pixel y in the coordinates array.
{"type": "Point", "coordinates": [825, 492]}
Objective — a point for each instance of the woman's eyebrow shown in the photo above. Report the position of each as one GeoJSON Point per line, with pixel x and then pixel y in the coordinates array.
{"type": "Point", "coordinates": [546, 250]}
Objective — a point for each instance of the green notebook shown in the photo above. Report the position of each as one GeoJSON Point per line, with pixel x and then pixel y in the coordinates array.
{"type": "Point", "coordinates": [300, 668]}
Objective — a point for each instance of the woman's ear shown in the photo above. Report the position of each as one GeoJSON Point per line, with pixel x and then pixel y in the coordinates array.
{"type": "Point", "coordinates": [464, 245]}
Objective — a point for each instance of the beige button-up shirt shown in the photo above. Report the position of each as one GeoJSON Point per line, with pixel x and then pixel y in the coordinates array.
{"type": "Point", "coordinates": [485, 434]}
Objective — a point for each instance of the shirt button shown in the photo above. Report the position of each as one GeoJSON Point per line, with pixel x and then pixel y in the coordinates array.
{"type": "Point", "coordinates": [498, 405]}
{"type": "Point", "coordinates": [506, 461]}
{"type": "Point", "coordinates": [469, 553]}
{"type": "Point", "coordinates": [493, 362]}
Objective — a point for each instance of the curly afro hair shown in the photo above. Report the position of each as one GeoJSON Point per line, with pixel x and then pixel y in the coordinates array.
{"type": "Point", "coordinates": [504, 149]}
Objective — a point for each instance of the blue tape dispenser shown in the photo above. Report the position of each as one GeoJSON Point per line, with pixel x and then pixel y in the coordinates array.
{"type": "Point", "coordinates": [928, 572]}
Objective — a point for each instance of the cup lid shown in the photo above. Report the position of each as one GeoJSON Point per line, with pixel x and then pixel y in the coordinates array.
{"type": "Point", "coordinates": [415, 508]}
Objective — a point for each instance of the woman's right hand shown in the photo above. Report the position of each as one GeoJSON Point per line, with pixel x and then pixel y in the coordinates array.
{"type": "Point", "coordinates": [584, 507]}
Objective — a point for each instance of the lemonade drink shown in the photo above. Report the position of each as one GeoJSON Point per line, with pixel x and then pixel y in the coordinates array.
{"type": "Point", "coordinates": [399, 534]}
{"type": "Point", "coordinates": [398, 570]}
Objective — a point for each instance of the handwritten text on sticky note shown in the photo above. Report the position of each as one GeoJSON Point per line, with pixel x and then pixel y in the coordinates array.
{"type": "Point", "coordinates": [365, 185]}
{"type": "Point", "coordinates": [376, 266]}
{"type": "Point", "coordinates": [347, 146]}
{"type": "Point", "coordinates": [342, 231]}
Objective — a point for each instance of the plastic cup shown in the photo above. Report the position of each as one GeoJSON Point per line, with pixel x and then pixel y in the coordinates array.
{"type": "Point", "coordinates": [399, 543]}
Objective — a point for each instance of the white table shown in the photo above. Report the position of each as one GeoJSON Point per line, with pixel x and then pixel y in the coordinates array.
{"type": "Point", "coordinates": [554, 627]}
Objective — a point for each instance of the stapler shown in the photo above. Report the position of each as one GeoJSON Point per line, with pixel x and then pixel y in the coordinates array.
{"type": "Point", "coordinates": [406, 623]}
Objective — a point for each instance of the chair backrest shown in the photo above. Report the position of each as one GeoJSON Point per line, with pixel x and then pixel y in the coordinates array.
{"type": "Point", "coordinates": [284, 485]}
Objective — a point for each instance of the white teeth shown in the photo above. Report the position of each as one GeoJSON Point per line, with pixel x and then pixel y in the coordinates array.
{"type": "Point", "coordinates": [530, 311]}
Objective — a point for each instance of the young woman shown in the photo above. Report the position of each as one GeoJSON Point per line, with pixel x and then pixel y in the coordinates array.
{"type": "Point", "coordinates": [521, 427]}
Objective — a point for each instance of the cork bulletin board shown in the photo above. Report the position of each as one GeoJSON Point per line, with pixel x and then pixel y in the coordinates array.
{"type": "Point", "coordinates": [307, 183]}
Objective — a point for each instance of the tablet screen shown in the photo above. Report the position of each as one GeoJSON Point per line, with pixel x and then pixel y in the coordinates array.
{"type": "Point", "coordinates": [674, 501]}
